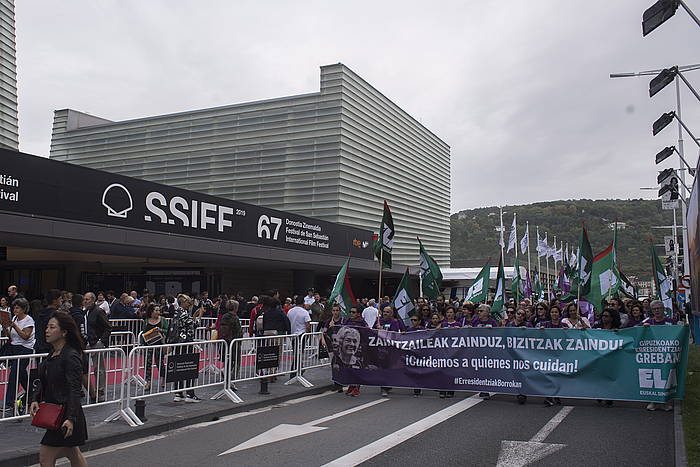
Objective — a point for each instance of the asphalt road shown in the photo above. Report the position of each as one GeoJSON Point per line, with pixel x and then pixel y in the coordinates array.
{"type": "Point", "coordinates": [403, 430]}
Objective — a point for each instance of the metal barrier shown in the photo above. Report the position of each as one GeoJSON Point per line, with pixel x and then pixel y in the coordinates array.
{"type": "Point", "coordinates": [202, 333]}
{"type": "Point", "coordinates": [132, 325]}
{"type": "Point", "coordinates": [314, 326]}
{"type": "Point", "coordinates": [258, 358]}
{"type": "Point", "coordinates": [122, 339]}
{"type": "Point", "coordinates": [171, 368]}
{"type": "Point", "coordinates": [106, 366]}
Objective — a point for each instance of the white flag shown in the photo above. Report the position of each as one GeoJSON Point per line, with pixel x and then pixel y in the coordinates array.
{"type": "Point", "coordinates": [525, 242]}
{"type": "Point", "coordinates": [512, 239]}
{"type": "Point", "coordinates": [542, 247]}
{"type": "Point", "coordinates": [558, 255]}
{"type": "Point", "coordinates": [573, 259]}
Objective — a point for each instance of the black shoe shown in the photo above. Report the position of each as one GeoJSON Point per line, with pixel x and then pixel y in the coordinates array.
{"type": "Point", "coordinates": [548, 402]}
{"type": "Point", "coordinates": [443, 394]}
{"type": "Point", "coordinates": [608, 404]}
{"type": "Point", "coordinates": [450, 394]}
{"type": "Point", "coordinates": [521, 399]}
{"type": "Point", "coordinates": [557, 401]}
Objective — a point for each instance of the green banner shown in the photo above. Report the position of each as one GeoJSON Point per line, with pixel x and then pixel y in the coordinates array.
{"type": "Point", "coordinates": [638, 364]}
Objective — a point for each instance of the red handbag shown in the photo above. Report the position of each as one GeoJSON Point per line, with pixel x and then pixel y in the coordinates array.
{"type": "Point", "coordinates": [49, 416]}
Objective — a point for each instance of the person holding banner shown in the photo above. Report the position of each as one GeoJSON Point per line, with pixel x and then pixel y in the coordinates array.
{"type": "Point", "coordinates": [355, 318]}
{"type": "Point", "coordinates": [575, 320]}
{"type": "Point", "coordinates": [450, 319]}
{"type": "Point", "coordinates": [330, 333]}
{"type": "Point", "coordinates": [658, 315]}
{"type": "Point", "coordinates": [636, 316]}
{"type": "Point", "coordinates": [555, 321]}
{"type": "Point", "coordinates": [387, 322]}
{"type": "Point", "coordinates": [435, 321]}
{"type": "Point", "coordinates": [609, 319]}
{"type": "Point", "coordinates": [484, 320]}
{"type": "Point", "coordinates": [520, 321]}
{"type": "Point", "coordinates": [416, 324]}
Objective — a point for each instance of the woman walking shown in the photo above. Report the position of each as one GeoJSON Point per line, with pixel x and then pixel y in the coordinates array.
{"type": "Point", "coordinates": [61, 376]}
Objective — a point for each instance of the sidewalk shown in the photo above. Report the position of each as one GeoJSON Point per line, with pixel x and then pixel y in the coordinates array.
{"type": "Point", "coordinates": [19, 444]}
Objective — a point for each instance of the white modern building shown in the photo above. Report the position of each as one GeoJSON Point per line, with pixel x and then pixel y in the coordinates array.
{"type": "Point", "coordinates": [9, 134]}
{"type": "Point", "coordinates": [334, 155]}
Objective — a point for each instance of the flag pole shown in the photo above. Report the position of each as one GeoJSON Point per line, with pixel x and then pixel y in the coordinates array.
{"type": "Point", "coordinates": [549, 285]}
{"type": "Point", "coordinates": [539, 265]}
{"type": "Point", "coordinates": [500, 209]}
{"type": "Point", "coordinates": [578, 273]}
{"type": "Point", "coordinates": [527, 230]}
{"type": "Point", "coordinates": [381, 266]}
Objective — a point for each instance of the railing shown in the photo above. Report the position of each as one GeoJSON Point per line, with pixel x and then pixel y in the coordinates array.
{"type": "Point", "coordinates": [132, 325]}
{"type": "Point", "coordinates": [174, 368]}
{"type": "Point", "coordinates": [105, 377]}
{"type": "Point", "coordinates": [113, 377]}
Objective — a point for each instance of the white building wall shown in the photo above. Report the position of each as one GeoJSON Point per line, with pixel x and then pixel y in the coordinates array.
{"type": "Point", "coordinates": [334, 155]}
{"type": "Point", "coordinates": [9, 134]}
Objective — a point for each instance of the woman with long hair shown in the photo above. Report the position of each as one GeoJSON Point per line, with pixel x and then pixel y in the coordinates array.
{"type": "Point", "coordinates": [61, 376]}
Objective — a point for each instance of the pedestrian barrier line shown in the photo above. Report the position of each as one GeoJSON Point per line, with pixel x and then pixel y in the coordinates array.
{"type": "Point", "coordinates": [111, 376]}
{"type": "Point", "coordinates": [123, 324]}
{"type": "Point", "coordinates": [106, 366]}
{"type": "Point", "coordinates": [174, 368]}
{"type": "Point", "coordinates": [122, 339]}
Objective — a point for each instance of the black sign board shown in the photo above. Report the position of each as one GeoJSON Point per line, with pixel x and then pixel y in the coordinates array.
{"type": "Point", "coordinates": [267, 357]}
{"type": "Point", "coordinates": [41, 187]}
{"type": "Point", "coordinates": [182, 367]}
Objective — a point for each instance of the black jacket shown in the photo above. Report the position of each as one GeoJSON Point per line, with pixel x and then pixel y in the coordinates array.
{"type": "Point", "coordinates": [40, 322]}
{"type": "Point", "coordinates": [62, 381]}
{"type": "Point", "coordinates": [78, 316]}
{"type": "Point", "coordinates": [277, 320]}
{"type": "Point", "coordinates": [98, 327]}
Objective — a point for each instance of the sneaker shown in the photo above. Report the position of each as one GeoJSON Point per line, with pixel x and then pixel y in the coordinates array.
{"type": "Point", "coordinates": [548, 402]}
{"type": "Point", "coordinates": [651, 406]}
{"type": "Point", "coordinates": [557, 401]}
{"type": "Point", "coordinates": [192, 399]}
{"type": "Point", "coordinates": [349, 391]}
{"type": "Point", "coordinates": [443, 394]}
{"type": "Point", "coordinates": [355, 391]}
{"type": "Point", "coordinates": [521, 399]}
{"type": "Point", "coordinates": [449, 394]}
{"type": "Point", "coordinates": [417, 393]}
{"type": "Point", "coordinates": [667, 407]}
{"type": "Point", "coordinates": [385, 393]}
{"type": "Point", "coordinates": [234, 388]}
{"type": "Point", "coordinates": [178, 398]}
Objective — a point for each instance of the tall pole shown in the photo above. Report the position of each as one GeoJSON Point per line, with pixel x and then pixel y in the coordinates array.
{"type": "Point", "coordinates": [546, 260]}
{"type": "Point", "coordinates": [381, 266]}
{"type": "Point", "coordinates": [539, 266]}
{"type": "Point", "coordinates": [500, 210]}
{"type": "Point", "coordinates": [527, 230]}
{"type": "Point", "coordinates": [681, 173]}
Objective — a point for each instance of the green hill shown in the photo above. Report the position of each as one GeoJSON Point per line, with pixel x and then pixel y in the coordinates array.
{"type": "Point", "coordinates": [474, 236]}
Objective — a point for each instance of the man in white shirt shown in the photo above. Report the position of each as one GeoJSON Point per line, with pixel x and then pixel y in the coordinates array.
{"type": "Point", "coordinates": [299, 319]}
{"type": "Point", "coordinates": [371, 313]}
{"type": "Point", "coordinates": [309, 299]}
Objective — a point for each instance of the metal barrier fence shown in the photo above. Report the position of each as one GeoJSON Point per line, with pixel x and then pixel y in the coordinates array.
{"type": "Point", "coordinates": [149, 371]}
{"type": "Point", "coordinates": [259, 358]}
{"type": "Point", "coordinates": [122, 339]}
{"type": "Point", "coordinates": [103, 381]}
{"type": "Point", "coordinates": [132, 325]}
{"type": "Point", "coordinates": [174, 368]}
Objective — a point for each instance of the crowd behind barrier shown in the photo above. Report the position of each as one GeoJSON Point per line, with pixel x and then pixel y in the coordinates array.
{"type": "Point", "coordinates": [240, 340]}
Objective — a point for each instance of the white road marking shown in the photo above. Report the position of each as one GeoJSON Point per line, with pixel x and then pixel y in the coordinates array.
{"type": "Point", "coordinates": [394, 439]}
{"type": "Point", "coordinates": [552, 424]}
{"type": "Point", "coordinates": [129, 444]}
{"type": "Point", "coordinates": [522, 453]}
{"type": "Point", "coordinates": [286, 430]}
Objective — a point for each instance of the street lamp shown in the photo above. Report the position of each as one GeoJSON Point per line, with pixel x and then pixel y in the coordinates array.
{"type": "Point", "coordinates": [659, 12]}
{"type": "Point", "coordinates": [665, 78]}
{"type": "Point", "coordinates": [682, 68]}
{"type": "Point", "coordinates": [662, 122]}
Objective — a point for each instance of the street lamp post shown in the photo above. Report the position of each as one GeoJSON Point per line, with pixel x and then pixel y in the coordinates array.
{"type": "Point", "coordinates": [686, 68]}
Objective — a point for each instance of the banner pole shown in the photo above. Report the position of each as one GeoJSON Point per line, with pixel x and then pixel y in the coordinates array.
{"type": "Point", "coordinates": [381, 266]}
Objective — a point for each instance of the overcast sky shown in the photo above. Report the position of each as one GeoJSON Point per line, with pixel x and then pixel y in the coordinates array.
{"type": "Point", "coordinates": [520, 90]}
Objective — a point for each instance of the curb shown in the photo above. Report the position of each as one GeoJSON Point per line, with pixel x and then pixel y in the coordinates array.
{"type": "Point", "coordinates": [680, 453]}
{"type": "Point", "coordinates": [31, 458]}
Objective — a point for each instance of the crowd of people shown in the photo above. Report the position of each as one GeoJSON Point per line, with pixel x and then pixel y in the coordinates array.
{"type": "Point", "coordinates": [173, 319]}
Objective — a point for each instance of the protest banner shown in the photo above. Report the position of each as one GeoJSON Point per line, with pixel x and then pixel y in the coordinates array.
{"type": "Point", "coordinates": [641, 363]}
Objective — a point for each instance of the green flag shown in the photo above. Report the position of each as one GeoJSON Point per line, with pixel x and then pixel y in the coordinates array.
{"type": "Point", "coordinates": [342, 292]}
{"type": "Point", "coordinates": [478, 292]}
{"type": "Point", "coordinates": [662, 281]}
{"type": "Point", "coordinates": [605, 280]}
{"type": "Point", "coordinates": [539, 290]}
{"type": "Point", "coordinates": [403, 298]}
{"type": "Point", "coordinates": [581, 280]}
{"type": "Point", "coordinates": [517, 279]}
{"type": "Point", "coordinates": [499, 299]}
{"type": "Point", "coordinates": [385, 241]}
{"type": "Point", "coordinates": [626, 286]}
{"type": "Point", "coordinates": [431, 277]}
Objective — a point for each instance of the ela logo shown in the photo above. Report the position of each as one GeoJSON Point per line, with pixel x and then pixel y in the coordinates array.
{"type": "Point", "coordinates": [653, 379]}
